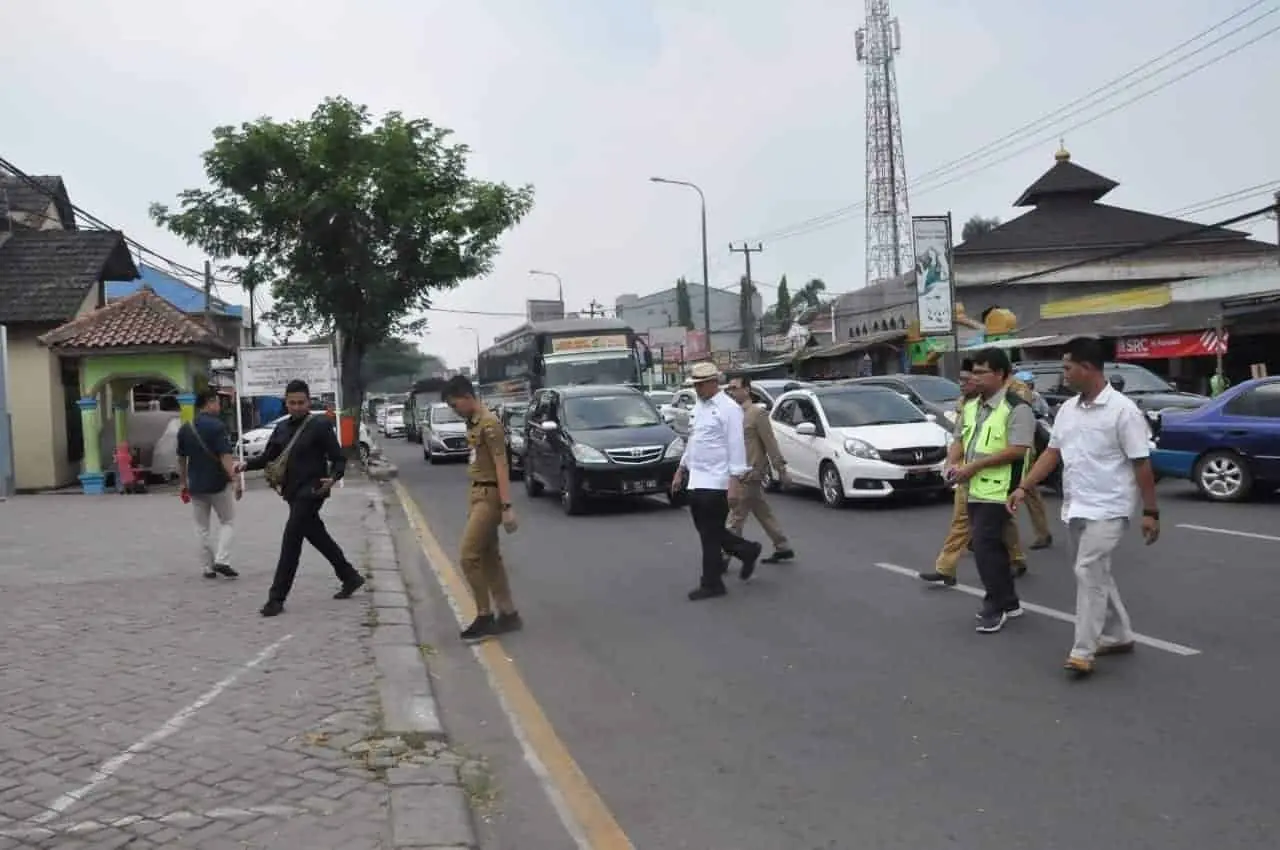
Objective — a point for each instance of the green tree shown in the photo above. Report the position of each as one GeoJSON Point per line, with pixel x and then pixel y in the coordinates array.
{"type": "Point", "coordinates": [976, 226]}
{"type": "Point", "coordinates": [684, 309]}
{"type": "Point", "coordinates": [746, 313]}
{"type": "Point", "coordinates": [356, 223]}
{"type": "Point", "coordinates": [810, 295]}
{"type": "Point", "coordinates": [782, 305]}
{"type": "Point", "coordinates": [393, 364]}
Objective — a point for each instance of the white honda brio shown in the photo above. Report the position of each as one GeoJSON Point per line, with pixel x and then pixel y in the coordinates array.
{"type": "Point", "coordinates": [859, 442]}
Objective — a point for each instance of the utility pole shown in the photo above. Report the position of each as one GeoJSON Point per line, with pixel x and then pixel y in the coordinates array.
{"type": "Point", "coordinates": [746, 251]}
{"type": "Point", "coordinates": [1276, 210]}
{"type": "Point", "coordinates": [594, 307]}
{"type": "Point", "coordinates": [208, 291]}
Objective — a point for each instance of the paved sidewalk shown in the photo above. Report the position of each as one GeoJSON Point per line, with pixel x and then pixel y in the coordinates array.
{"type": "Point", "coordinates": [145, 706]}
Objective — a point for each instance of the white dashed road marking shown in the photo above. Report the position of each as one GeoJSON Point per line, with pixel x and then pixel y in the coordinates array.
{"type": "Point", "coordinates": [1154, 643]}
{"type": "Point", "coordinates": [112, 765]}
{"type": "Point", "coordinates": [1231, 531]}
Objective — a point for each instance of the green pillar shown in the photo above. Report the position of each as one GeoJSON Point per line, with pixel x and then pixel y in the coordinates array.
{"type": "Point", "coordinates": [187, 406]}
{"type": "Point", "coordinates": [121, 419]}
{"type": "Point", "coordinates": [91, 479]}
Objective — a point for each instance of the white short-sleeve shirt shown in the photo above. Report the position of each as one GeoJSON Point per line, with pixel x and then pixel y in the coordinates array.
{"type": "Point", "coordinates": [1099, 442]}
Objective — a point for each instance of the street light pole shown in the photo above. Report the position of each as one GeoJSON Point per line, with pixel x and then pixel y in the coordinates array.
{"type": "Point", "coordinates": [477, 333]}
{"type": "Point", "coordinates": [559, 282]}
{"type": "Point", "coordinates": [706, 282]}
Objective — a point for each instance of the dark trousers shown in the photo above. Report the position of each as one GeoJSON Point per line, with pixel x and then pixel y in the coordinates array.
{"type": "Point", "coordinates": [710, 510]}
{"type": "Point", "coordinates": [304, 523]}
{"type": "Point", "coordinates": [987, 521]}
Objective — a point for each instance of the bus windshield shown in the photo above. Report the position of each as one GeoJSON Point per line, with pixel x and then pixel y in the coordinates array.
{"type": "Point", "coordinates": [600, 369]}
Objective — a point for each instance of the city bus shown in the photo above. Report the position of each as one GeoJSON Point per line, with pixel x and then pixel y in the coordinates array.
{"type": "Point", "coordinates": [561, 352]}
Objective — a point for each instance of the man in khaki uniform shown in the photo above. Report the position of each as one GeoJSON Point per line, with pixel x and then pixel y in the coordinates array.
{"type": "Point", "coordinates": [958, 538]}
{"type": "Point", "coordinates": [488, 509]}
{"type": "Point", "coordinates": [762, 449]}
{"type": "Point", "coordinates": [1023, 383]}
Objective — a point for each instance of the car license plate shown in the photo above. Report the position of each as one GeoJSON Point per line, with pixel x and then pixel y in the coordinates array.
{"type": "Point", "coordinates": [639, 486]}
{"type": "Point", "coordinates": [919, 474]}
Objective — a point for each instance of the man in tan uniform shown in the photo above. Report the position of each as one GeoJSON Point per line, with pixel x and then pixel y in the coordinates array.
{"type": "Point", "coordinates": [1023, 383]}
{"type": "Point", "coordinates": [957, 539]}
{"type": "Point", "coordinates": [762, 449]}
{"type": "Point", "coordinates": [488, 509]}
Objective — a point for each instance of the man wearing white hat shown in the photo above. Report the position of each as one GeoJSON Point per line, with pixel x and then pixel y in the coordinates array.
{"type": "Point", "coordinates": [713, 467]}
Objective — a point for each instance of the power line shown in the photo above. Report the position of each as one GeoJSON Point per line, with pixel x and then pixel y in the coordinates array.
{"type": "Point", "coordinates": [98, 223]}
{"type": "Point", "coordinates": [820, 222]}
{"type": "Point", "coordinates": [1216, 201]}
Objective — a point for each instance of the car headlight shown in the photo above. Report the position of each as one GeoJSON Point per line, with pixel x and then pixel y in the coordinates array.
{"type": "Point", "coordinates": [675, 449]}
{"type": "Point", "coordinates": [861, 448]}
{"type": "Point", "coordinates": [586, 454]}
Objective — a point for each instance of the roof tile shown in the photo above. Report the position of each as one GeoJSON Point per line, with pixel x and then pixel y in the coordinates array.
{"type": "Point", "coordinates": [45, 275]}
{"type": "Point", "coordinates": [142, 320]}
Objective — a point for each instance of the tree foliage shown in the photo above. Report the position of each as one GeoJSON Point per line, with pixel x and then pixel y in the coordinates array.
{"type": "Point", "coordinates": [810, 295]}
{"type": "Point", "coordinates": [355, 223]}
{"type": "Point", "coordinates": [394, 363]}
{"type": "Point", "coordinates": [976, 226]}
{"type": "Point", "coordinates": [782, 304]}
{"type": "Point", "coordinates": [684, 309]}
{"type": "Point", "coordinates": [746, 313]}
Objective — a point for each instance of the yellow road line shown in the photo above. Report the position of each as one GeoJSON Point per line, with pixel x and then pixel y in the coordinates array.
{"type": "Point", "coordinates": [585, 814]}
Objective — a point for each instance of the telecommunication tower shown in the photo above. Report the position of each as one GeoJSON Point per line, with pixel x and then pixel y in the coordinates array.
{"type": "Point", "coordinates": [888, 215]}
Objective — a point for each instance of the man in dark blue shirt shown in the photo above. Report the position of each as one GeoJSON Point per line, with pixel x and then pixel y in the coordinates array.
{"type": "Point", "coordinates": [313, 464]}
{"type": "Point", "coordinates": [207, 472]}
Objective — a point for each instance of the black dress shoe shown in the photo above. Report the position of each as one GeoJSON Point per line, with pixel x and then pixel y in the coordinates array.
{"type": "Point", "coordinates": [481, 627]}
{"type": "Point", "coordinates": [349, 589]}
{"type": "Point", "coordinates": [700, 593]}
{"type": "Point", "coordinates": [508, 623]}
{"type": "Point", "coordinates": [225, 571]}
{"type": "Point", "coordinates": [272, 609]}
{"type": "Point", "coordinates": [778, 556]}
{"type": "Point", "coordinates": [749, 562]}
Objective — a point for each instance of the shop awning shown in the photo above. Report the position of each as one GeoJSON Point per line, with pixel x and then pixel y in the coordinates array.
{"type": "Point", "coordinates": [1251, 305]}
{"type": "Point", "coordinates": [853, 346]}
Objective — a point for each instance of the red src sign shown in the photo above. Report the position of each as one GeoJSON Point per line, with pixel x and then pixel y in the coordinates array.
{"type": "Point", "coordinates": [1168, 346]}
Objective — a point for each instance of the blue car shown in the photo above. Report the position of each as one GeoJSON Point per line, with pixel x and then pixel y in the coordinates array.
{"type": "Point", "coordinates": [1229, 447]}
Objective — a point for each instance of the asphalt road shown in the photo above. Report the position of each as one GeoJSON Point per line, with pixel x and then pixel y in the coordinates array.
{"type": "Point", "coordinates": [835, 703]}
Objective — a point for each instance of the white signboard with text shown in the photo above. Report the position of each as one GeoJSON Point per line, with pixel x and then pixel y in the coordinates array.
{"type": "Point", "coordinates": [935, 295]}
{"type": "Point", "coordinates": [266, 370]}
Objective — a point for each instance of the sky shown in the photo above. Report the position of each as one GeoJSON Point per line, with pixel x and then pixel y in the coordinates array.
{"type": "Point", "coordinates": [760, 103]}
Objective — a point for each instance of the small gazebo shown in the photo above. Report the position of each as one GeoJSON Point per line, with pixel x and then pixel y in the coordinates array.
{"type": "Point", "coordinates": [138, 338]}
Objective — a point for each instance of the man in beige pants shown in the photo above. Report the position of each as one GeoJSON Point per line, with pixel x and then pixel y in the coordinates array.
{"type": "Point", "coordinates": [209, 477]}
{"type": "Point", "coordinates": [762, 450]}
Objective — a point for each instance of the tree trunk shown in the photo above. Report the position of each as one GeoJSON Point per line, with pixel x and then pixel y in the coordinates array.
{"type": "Point", "coordinates": [351, 360]}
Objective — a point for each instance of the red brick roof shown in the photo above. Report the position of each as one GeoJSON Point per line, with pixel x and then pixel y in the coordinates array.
{"type": "Point", "coordinates": [141, 320]}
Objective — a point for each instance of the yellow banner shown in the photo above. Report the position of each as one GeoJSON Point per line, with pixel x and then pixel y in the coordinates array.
{"type": "Point", "coordinates": [1108, 302]}
{"type": "Point", "coordinates": [588, 343]}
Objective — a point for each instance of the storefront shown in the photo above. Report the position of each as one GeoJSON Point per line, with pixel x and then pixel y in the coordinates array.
{"type": "Point", "coordinates": [1254, 324]}
{"type": "Point", "coordinates": [1188, 359]}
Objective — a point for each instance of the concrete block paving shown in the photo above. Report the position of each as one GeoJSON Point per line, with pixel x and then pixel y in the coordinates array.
{"type": "Point", "coordinates": [146, 706]}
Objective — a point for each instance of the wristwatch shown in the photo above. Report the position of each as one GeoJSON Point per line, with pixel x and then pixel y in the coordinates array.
{"type": "Point", "coordinates": [1152, 514]}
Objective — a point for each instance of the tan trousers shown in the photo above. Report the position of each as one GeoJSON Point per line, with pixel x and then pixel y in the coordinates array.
{"type": "Point", "coordinates": [203, 505]}
{"type": "Point", "coordinates": [481, 556]}
{"type": "Point", "coordinates": [957, 541]}
{"type": "Point", "coordinates": [752, 503]}
{"type": "Point", "coordinates": [1039, 518]}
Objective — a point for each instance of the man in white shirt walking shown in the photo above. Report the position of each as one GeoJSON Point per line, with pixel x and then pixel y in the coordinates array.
{"type": "Point", "coordinates": [713, 467]}
{"type": "Point", "coordinates": [1101, 437]}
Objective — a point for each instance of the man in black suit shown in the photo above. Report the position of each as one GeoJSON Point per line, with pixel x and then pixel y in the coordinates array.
{"type": "Point", "coordinates": [314, 463]}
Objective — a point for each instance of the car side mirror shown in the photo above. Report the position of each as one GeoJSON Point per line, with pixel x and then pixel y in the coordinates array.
{"type": "Point", "coordinates": [549, 426]}
{"type": "Point", "coordinates": [806, 429]}
{"type": "Point", "coordinates": [1117, 383]}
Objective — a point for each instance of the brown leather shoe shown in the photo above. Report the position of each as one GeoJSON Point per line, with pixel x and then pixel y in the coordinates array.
{"type": "Point", "coordinates": [1078, 667]}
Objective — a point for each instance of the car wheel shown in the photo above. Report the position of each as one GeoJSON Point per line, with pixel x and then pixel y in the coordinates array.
{"type": "Point", "coordinates": [532, 486]}
{"type": "Point", "coordinates": [1223, 476]}
{"type": "Point", "coordinates": [572, 498]}
{"type": "Point", "coordinates": [832, 486]}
